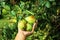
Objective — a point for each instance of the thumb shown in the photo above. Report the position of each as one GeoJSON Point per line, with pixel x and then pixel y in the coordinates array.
{"type": "Point", "coordinates": [35, 24]}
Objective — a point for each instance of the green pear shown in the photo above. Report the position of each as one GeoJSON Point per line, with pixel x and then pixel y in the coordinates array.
{"type": "Point", "coordinates": [4, 11]}
{"type": "Point", "coordinates": [29, 27]}
{"type": "Point", "coordinates": [22, 24]}
{"type": "Point", "coordinates": [30, 19]}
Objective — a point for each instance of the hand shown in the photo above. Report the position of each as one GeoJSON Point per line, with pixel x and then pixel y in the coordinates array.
{"type": "Point", "coordinates": [26, 33]}
{"type": "Point", "coordinates": [35, 25]}
{"type": "Point", "coordinates": [21, 35]}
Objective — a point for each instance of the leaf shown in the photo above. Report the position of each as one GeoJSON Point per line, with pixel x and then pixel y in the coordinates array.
{"type": "Point", "coordinates": [4, 11]}
{"type": "Point", "coordinates": [51, 0]}
{"type": "Point", "coordinates": [22, 5]}
{"type": "Point", "coordinates": [2, 0]}
{"type": "Point", "coordinates": [48, 5]}
{"type": "Point", "coordinates": [7, 7]}
{"type": "Point", "coordinates": [2, 4]}
{"type": "Point", "coordinates": [16, 7]}
{"type": "Point", "coordinates": [13, 13]}
{"type": "Point", "coordinates": [28, 12]}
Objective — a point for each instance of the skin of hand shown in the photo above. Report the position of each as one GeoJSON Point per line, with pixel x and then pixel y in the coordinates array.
{"type": "Point", "coordinates": [21, 35]}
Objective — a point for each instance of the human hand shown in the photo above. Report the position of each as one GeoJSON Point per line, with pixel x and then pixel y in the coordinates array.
{"type": "Point", "coordinates": [21, 35]}
{"type": "Point", "coordinates": [26, 33]}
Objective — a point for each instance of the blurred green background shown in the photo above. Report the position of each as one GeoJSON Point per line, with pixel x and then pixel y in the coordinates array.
{"type": "Point", "coordinates": [47, 12]}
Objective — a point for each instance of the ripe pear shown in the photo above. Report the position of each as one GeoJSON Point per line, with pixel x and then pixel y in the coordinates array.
{"type": "Point", "coordinates": [22, 24]}
{"type": "Point", "coordinates": [30, 19]}
{"type": "Point", "coordinates": [29, 27]}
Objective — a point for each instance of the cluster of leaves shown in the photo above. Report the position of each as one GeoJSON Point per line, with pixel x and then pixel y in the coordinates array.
{"type": "Point", "coordinates": [46, 12]}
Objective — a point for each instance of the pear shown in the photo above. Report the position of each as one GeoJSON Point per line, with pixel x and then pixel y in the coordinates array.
{"type": "Point", "coordinates": [4, 11]}
{"type": "Point", "coordinates": [29, 27]}
{"type": "Point", "coordinates": [13, 20]}
{"type": "Point", "coordinates": [22, 24]}
{"type": "Point", "coordinates": [30, 19]}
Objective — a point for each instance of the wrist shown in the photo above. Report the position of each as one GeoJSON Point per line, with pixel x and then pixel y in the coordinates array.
{"type": "Point", "coordinates": [21, 36]}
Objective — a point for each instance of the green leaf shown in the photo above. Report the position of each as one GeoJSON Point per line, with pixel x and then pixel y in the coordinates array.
{"type": "Point", "coordinates": [22, 5]}
{"type": "Point", "coordinates": [2, 4]}
{"type": "Point", "coordinates": [2, 0]}
{"type": "Point", "coordinates": [28, 12]}
{"type": "Point", "coordinates": [48, 5]}
{"type": "Point", "coordinates": [51, 0]}
{"type": "Point", "coordinates": [13, 13]}
{"type": "Point", "coordinates": [16, 7]}
{"type": "Point", "coordinates": [7, 7]}
{"type": "Point", "coordinates": [4, 11]}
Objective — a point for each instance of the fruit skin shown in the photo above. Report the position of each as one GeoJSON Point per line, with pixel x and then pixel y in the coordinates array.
{"type": "Point", "coordinates": [13, 20]}
{"type": "Point", "coordinates": [22, 24]}
{"type": "Point", "coordinates": [30, 19]}
{"type": "Point", "coordinates": [4, 11]}
{"type": "Point", "coordinates": [29, 27]}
